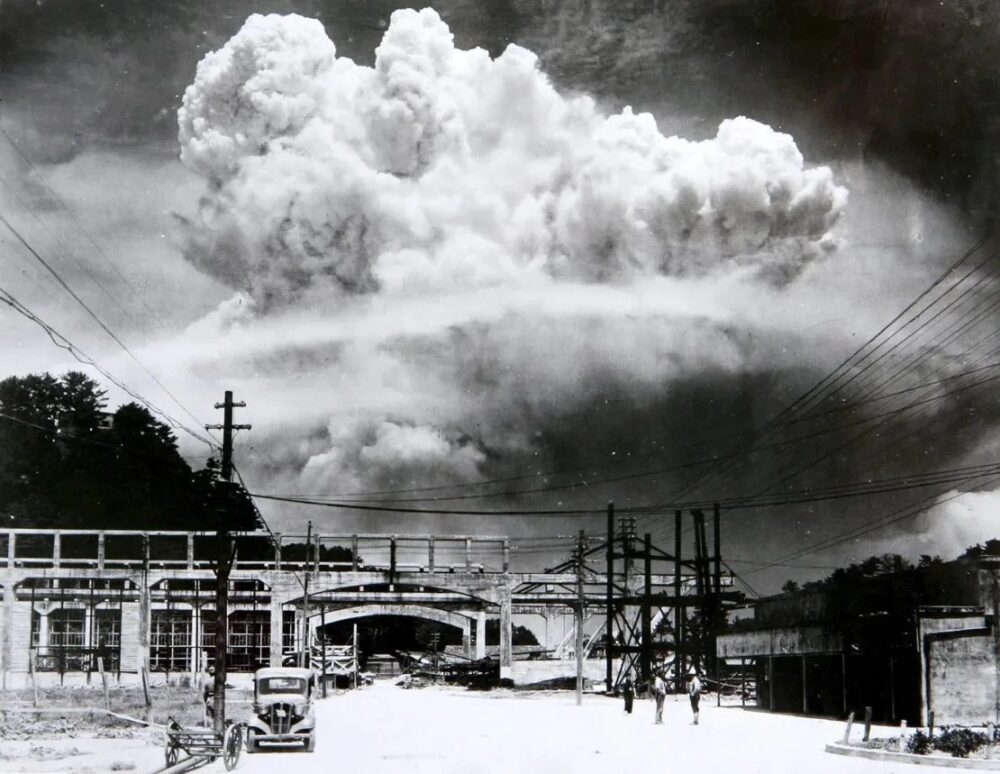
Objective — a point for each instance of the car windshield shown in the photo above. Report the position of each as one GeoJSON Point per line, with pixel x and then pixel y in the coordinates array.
{"type": "Point", "coordinates": [282, 685]}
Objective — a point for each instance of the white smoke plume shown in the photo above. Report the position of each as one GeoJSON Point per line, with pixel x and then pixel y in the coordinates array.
{"type": "Point", "coordinates": [451, 257]}
{"type": "Point", "coordinates": [444, 168]}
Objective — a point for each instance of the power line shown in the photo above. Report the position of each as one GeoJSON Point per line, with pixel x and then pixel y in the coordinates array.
{"type": "Point", "coordinates": [430, 511]}
{"type": "Point", "coordinates": [829, 382]}
{"type": "Point", "coordinates": [80, 356]}
{"type": "Point", "coordinates": [80, 225]}
{"type": "Point", "coordinates": [92, 314]}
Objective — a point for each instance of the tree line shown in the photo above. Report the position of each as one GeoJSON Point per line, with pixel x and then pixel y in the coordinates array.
{"type": "Point", "coordinates": [66, 461]}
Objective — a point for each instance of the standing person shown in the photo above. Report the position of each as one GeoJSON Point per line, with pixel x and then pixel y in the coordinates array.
{"type": "Point", "coordinates": [694, 694]}
{"type": "Point", "coordinates": [660, 695]}
{"type": "Point", "coordinates": [629, 693]}
{"type": "Point", "coordinates": [208, 691]}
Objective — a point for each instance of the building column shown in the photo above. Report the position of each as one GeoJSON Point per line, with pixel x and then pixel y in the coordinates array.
{"type": "Point", "coordinates": [481, 636]}
{"type": "Point", "coordinates": [195, 660]}
{"type": "Point", "coordinates": [6, 647]}
{"type": "Point", "coordinates": [43, 627]}
{"type": "Point", "coordinates": [506, 636]}
{"type": "Point", "coordinates": [466, 637]}
{"type": "Point", "coordinates": [277, 621]}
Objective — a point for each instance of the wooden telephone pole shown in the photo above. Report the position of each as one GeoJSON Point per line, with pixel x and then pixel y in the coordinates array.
{"type": "Point", "coordinates": [224, 561]}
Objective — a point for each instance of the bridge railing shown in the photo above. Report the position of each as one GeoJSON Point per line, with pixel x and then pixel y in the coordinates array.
{"type": "Point", "coordinates": [170, 549]}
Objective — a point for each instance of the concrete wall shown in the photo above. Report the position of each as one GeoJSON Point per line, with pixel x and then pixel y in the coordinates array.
{"type": "Point", "coordinates": [959, 668]}
{"type": "Point", "coordinates": [961, 677]}
{"type": "Point", "coordinates": [532, 672]}
{"type": "Point", "coordinates": [778, 642]}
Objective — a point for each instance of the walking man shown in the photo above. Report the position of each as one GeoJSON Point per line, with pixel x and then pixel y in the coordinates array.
{"type": "Point", "coordinates": [660, 695]}
{"type": "Point", "coordinates": [628, 692]}
{"type": "Point", "coordinates": [694, 694]}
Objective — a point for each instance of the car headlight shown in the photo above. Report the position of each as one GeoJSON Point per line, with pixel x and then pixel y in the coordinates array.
{"type": "Point", "coordinates": [300, 709]}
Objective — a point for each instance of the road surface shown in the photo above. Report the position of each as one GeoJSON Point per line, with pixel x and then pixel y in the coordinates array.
{"type": "Point", "coordinates": [384, 728]}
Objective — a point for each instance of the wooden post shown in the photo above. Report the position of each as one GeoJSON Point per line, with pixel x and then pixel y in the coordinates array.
{"type": "Point", "coordinates": [847, 731]}
{"type": "Point", "coordinates": [678, 607]}
{"type": "Point", "coordinates": [718, 682]}
{"type": "Point", "coordinates": [717, 540]}
{"type": "Point", "coordinates": [145, 690]}
{"type": "Point", "coordinates": [579, 619]}
{"type": "Point", "coordinates": [101, 552]}
{"type": "Point", "coordinates": [868, 722]}
{"type": "Point", "coordinates": [104, 681]}
{"type": "Point", "coordinates": [805, 698]}
{"type": "Point", "coordinates": [646, 612]}
{"type": "Point", "coordinates": [770, 683]}
{"type": "Point", "coordinates": [843, 679]}
{"type": "Point", "coordinates": [609, 609]}
{"type": "Point", "coordinates": [56, 549]}
{"type": "Point", "coordinates": [34, 682]}
{"type": "Point", "coordinates": [322, 624]}
{"type": "Point", "coordinates": [190, 550]}
{"type": "Point", "coordinates": [305, 655]}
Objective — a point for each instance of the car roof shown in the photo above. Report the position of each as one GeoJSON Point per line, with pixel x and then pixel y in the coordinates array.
{"type": "Point", "coordinates": [305, 674]}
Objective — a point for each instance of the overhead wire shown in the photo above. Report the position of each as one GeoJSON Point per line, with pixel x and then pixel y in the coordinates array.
{"type": "Point", "coordinates": [76, 219]}
{"type": "Point", "coordinates": [80, 356]}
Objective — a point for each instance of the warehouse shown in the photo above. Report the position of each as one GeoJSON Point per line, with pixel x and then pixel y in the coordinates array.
{"type": "Point", "coordinates": [907, 644]}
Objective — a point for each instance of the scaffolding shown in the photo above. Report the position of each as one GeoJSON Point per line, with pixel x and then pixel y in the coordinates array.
{"type": "Point", "coordinates": [666, 626]}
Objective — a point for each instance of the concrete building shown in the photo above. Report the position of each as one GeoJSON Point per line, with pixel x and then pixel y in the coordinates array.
{"type": "Point", "coordinates": [145, 601]}
{"type": "Point", "coordinates": [907, 644]}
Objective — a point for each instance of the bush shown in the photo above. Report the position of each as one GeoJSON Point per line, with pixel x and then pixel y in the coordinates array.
{"type": "Point", "coordinates": [960, 741]}
{"type": "Point", "coordinates": [920, 743]}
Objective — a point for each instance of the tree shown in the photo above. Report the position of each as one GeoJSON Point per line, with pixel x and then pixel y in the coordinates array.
{"type": "Point", "coordinates": [990, 548]}
{"type": "Point", "coordinates": [520, 635]}
{"type": "Point", "coordinates": [790, 587]}
{"type": "Point", "coordinates": [60, 468]}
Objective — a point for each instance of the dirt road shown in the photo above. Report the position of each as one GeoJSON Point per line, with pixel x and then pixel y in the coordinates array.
{"type": "Point", "coordinates": [452, 731]}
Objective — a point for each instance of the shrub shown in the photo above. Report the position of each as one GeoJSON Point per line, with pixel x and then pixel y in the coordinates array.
{"type": "Point", "coordinates": [960, 741]}
{"type": "Point", "coordinates": [920, 743]}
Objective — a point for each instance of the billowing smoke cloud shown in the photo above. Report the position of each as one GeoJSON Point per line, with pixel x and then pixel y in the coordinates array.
{"type": "Point", "coordinates": [463, 262]}
{"type": "Point", "coordinates": [445, 168]}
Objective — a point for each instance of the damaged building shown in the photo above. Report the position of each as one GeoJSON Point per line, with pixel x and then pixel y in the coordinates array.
{"type": "Point", "coordinates": [907, 644]}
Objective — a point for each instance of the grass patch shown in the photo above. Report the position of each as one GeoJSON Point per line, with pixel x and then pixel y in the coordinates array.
{"type": "Point", "coordinates": [181, 703]}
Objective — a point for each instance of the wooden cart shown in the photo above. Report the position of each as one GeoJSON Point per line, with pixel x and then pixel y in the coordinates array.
{"type": "Point", "coordinates": [205, 743]}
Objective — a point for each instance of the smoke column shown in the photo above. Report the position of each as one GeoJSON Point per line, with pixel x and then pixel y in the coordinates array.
{"type": "Point", "coordinates": [454, 261]}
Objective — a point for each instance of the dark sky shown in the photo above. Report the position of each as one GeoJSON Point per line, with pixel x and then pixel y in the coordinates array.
{"type": "Point", "coordinates": [912, 84]}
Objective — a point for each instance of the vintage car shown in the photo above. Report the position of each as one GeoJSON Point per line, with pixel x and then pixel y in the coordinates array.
{"type": "Point", "coordinates": [282, 715]}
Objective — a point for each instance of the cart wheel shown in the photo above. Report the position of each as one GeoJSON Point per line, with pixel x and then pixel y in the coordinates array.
{"type": "Point", "coordinates": [232, 742]}
{"type": "Point", "coordinates": [170, 754]}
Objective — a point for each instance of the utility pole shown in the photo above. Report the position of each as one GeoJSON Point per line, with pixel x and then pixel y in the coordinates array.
{"type": "Point", "coordinates": [224, 561]}
{"type": "Point", "coordinates": [609, 625]}
{"type": "Point", "coordinates": [305, 653]}
{"type": "Point", "coordinates": [579, 618]}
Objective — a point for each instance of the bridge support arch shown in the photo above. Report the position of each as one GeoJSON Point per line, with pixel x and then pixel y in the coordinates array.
{"type": "Point", "coordinates": [458, 619]}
